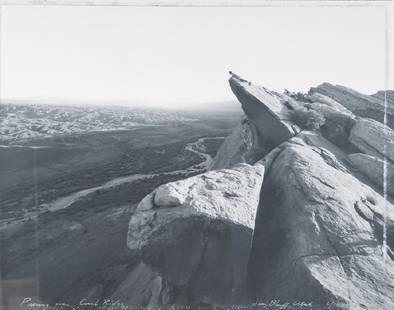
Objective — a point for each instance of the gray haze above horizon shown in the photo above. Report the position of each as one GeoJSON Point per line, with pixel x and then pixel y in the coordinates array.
{"type": "Point", "coordinates": [180, 57]}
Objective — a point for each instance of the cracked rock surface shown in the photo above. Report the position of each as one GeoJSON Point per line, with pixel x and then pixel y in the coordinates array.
{"type": "Point", "coordinates": [241, 146]}
{"type": "Point", "coordinates": [372, 167]}
{"type": "Point", "coordinates": [197, 232]}
{"type": "Point", "coordinates": [302, 219]}
{"type": "Point", "coordinates": [360, 104]}
{"type": "Point", "coordinates": [373, 138]}
{"type": "Point", "coordinates": [318, 233]}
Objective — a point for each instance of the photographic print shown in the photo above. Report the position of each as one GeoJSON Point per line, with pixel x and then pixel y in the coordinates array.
{"type": "Point", "coordinates": [196, 155]}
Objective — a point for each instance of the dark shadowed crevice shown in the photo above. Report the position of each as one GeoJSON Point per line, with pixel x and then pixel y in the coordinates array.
{"type": "Point", "coordinates": [260, 213]}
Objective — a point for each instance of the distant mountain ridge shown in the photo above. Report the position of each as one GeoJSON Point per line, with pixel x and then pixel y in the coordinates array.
{"type": "Point", "coordinates": [24, 121]}
{"type": "Point", "coordinates": [224, 105]}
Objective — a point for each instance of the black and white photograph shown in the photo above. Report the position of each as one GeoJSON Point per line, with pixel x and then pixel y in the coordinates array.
{"type": "Point", "coordinates": [196, 155]}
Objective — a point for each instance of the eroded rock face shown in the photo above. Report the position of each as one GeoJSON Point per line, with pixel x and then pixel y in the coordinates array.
{"type": "Point", "coordinates": [323, 100]}
{"type": "Point", "coordinates": [197, 233]}
{"type": "Point", "coordinates": [313, 231]}
{"type": "Point", "coordinates": [372, 167]}
{"type": "Point", "coordinates": [373, 138]}
{"type": "Point", "coordinates": [358, 103]}
{"type": "Point", "coordinates": [267, 124]}
{"type": "Point", "coordinates": [143, 287]}
{"type": "Point", "coordinates": [241, 146]}
{"type": "Point", "coordinates": [318, 234]}
{"type": "Point", "coordinates": [388, 95]}
{"type": "Point", "coordinates": [266, 110]}
{"type": "Point", "coordinates": [338, 122]}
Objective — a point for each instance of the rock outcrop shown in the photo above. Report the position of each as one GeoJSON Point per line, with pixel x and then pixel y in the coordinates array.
{"type": "Point", "coordinates": [318, 235]}
{"type": "Point", "coordinates": [338, 124]}
{"type": "Point", "coordinates": [292, 218]}
{"type": "Point", "coordinates": [358, 103]}
{"type": "Point", "coordinates": [266, 111]}
{"type": "Point", "coordinates": [373, 168]}
{"type": "Point", "coordinates": [268, 124]}
{"type": "Point", "coordinates": [197, 233]}
{"type": "Point", "coordinates": [373, 138]}
{"type": "Point", "coordinates": [239, 147]}
{"type": "Point", "coordinates": [142, 287]}
{"type": "Point", "coordinates": [385, 95]}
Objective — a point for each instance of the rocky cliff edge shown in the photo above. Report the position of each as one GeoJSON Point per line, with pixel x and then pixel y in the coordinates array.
{"type": "Point", "coordinates": [294, 211]}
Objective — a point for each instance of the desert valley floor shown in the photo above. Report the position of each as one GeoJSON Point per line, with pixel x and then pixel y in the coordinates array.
{"type": "Point", "coordinates": [66, 198]}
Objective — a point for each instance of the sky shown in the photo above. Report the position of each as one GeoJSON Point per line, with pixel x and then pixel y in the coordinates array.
{"type": "Point", "coordinates": [181, 56]}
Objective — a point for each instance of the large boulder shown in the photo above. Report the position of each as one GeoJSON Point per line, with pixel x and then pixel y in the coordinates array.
{"type": "Point", "coordinates": [373, 138]}
{"type": "Point", "coordinates": [319, 232]}
{"type": "Point", "coordinates": [197, 233]}
{"type": "Point", "coordinates": [373, 168]}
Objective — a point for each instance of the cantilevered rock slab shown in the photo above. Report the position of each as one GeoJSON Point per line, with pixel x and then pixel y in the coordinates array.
{"type": "Point", "coordinates": [266, 110]}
